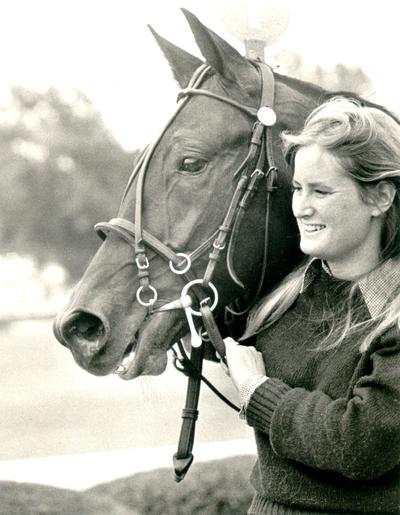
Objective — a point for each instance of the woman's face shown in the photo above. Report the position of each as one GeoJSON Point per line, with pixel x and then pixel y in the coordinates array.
{"type": "Point", "coordinates": [335, 223]}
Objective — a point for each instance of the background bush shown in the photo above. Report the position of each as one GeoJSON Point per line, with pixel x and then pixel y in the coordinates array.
{"type": "Point", "coordinates": [214, 487]}
{"type": "Point", "coordinates": [31, 499]}
{"type": "Point", "coordinates": [210, 488]}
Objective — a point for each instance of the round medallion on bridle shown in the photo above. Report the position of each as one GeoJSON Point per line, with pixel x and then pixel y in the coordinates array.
{"type": "Point", "coordinates": [266, 116]}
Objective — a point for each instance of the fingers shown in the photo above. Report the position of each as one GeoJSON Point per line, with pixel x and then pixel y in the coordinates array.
{"type": "Point", "coordinates": [243, 362]}
{"type": "Point", "coordinates": [230, 342]}
{"type": "Point", "coordinates": [231, 347]}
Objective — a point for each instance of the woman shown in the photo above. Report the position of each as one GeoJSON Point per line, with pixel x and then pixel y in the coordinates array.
{"type": "Point", "coordinates": [323, 390]}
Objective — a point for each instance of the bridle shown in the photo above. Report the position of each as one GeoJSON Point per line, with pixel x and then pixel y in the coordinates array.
{"type": "Point", "coordinates": [257, 166]}
{"type": "Point", "coordinates": [251, 170]}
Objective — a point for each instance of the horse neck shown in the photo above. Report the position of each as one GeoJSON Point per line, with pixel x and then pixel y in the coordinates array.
{"type": "Point", "coordinates": [294, 101]}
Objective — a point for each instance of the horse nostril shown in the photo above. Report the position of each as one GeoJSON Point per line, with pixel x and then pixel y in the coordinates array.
{"type": "Point", "coordinates": [83, 331]}
{"type": "Point", "coordinates": [86, 326]}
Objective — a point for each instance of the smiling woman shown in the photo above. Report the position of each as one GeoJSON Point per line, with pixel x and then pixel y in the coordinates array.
{"type": "Point", "coordinates": [348, 158]}
{"type": "Point", "coordinates": [335, 223]}
{"type": "Point", "coordinates": [323, 390]}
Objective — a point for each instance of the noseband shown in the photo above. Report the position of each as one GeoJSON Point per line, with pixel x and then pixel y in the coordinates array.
{"type": "Point", "coordinates": [257, 166]}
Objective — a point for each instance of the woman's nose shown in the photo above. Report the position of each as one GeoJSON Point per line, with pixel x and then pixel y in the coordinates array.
{"type": "Point", "coordinates": [302, 206]}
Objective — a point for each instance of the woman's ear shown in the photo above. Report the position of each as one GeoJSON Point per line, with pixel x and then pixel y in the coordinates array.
{"type": "Point", "coordinates": [383, 196]}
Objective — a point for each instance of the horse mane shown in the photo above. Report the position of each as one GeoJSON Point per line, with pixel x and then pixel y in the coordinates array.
{"type": "Point", "coordinates": [364, 102]}
{"type": "Point", "coordinates": [294, 100]}
{"type": "Point", "coordinates": [307, 95]}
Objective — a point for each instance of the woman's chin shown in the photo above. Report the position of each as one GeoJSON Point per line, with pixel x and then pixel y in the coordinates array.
{"type": "Point", "coordinates": [310, 250]}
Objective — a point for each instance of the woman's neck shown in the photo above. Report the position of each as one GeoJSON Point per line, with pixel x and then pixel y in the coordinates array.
{"type": "Point", "coordinates": [349, 271]}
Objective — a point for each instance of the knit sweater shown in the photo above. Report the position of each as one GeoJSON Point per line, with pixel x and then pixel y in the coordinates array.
{"type": "Point", "coordinates": [327, 422]}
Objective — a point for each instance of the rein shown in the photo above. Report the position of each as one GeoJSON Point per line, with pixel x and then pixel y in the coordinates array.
{"type": "Point", "coordinates": [257, 166]}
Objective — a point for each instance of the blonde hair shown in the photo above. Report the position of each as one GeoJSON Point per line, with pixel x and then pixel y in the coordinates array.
{"type": "Point", "coordinates": [366, 141]}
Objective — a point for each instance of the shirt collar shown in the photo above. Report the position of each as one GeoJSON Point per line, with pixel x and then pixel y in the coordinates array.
{"type": "Point", "coordinates": [311, 271]}
{"type": "Point", "coordinates": [377, 287]}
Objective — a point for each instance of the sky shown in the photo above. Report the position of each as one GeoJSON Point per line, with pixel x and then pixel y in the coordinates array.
{"type": "Point", "coordinates": [104, 48]}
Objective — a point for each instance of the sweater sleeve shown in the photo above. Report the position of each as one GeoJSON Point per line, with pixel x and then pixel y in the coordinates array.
{"type": "Point", "coordinates": [357, 436]}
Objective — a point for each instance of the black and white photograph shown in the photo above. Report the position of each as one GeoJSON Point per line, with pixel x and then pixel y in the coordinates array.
{"type": "Point", "coordinates": [199, 257]}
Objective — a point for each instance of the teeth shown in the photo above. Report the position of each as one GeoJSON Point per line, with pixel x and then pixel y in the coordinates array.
{"type": "Point", "coordinates": [313, 228]}
{"type": "Point", "coordinates": [125, 363]}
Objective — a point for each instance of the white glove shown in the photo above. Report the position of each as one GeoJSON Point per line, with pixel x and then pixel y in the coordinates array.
{"type": "Point", "coordinates": [243, 362]}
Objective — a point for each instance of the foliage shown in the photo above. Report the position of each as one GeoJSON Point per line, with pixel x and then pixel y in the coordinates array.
{"type": "Point", "coordinates": [32, 499]}
{"type": "Point", "coordinates": [339, 78]}
{"type": "Point", "coordinates": [211, 488]}
{"type": "Point", "coordinates": [61, 171]}
{"type": "Point", "coordinates": [215, 487]}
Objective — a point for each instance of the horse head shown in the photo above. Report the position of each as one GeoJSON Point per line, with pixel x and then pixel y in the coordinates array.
{"type": "Point", "coordinates": [172, 212]}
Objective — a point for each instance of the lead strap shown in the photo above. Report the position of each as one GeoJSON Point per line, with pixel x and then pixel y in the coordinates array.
{"type": "Point", "coordinates": [183, 458]}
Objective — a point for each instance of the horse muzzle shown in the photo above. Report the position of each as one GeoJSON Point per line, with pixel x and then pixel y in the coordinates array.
{"type": "Point", "coordinates": [83, 332]}
{"type": "Point", "coordinates": [122, 349]}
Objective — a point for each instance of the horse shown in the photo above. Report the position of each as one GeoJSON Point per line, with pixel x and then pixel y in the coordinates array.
{"type": "Point", "coordinates": [205, 223]}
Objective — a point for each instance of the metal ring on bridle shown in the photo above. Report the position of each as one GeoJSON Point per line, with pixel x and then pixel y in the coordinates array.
{"type": "Point", "coordinates": [149, 302]}
{"type": "Point", "coordinates": [219, 246]}
{"type": "Point", "coordinates": [142, 266]}
{"type": "Point", "coordinates": [183, 270]}
{"type": "Point", "coordinates": [210, 285]}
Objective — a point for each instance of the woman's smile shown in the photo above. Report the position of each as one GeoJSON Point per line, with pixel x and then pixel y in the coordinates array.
{"type": "Point", "coordinates": [335, 222]}
{"type": "Point", "coordinates": [312, 228]}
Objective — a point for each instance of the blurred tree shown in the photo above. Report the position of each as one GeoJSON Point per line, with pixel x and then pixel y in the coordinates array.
{"type": "Point", "coordinates": [338, 78]}
{"type": "Point", "coordinates": [61, 171]}
{"type": "Point", "coordinates": [260, 23]}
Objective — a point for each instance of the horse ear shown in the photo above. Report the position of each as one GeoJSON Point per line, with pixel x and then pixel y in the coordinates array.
{"type": "Point", "coordinates": [223, 57]}
{"type": "Point", "coordinates": [182, 63]}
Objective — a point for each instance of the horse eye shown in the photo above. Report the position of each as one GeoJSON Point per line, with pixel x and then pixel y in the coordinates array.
{"type": "Point", "coordinates": [192, 164]}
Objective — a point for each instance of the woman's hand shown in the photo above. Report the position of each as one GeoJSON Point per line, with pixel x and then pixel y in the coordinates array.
{"type": "Point", "coordinates": [243, 362]}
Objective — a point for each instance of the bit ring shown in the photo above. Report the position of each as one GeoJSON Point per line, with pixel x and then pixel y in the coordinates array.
{"type": "Point", "coordinates": [200, 281]}
{"type": "Point", "coordinates": [149, 302]}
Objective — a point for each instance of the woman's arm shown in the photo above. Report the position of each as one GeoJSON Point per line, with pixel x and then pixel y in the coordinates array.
{"type": "Point", "coordinates": [358, 436]}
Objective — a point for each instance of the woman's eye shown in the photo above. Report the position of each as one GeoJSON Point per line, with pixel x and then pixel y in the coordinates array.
{"type": "Point", "coordinates": [322, 193]}
{"type": "Point", "coordinates": [296, 189]}
{"type": "Point", "coordinates": [192, 164]}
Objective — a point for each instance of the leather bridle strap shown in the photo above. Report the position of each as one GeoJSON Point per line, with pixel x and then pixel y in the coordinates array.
{"type": "Point", "coordinates": [138, 237]}
{"type": "Point", "coordinates": [141, 259]}
{"type": "Point", "coordinates": [126, 229]}
{"type": "Point", "coordinates": [226, 227]}
{"type": "Point", "coordinates": [266, 157]}
{"type": "Point", "coordinates": [192, 91]}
